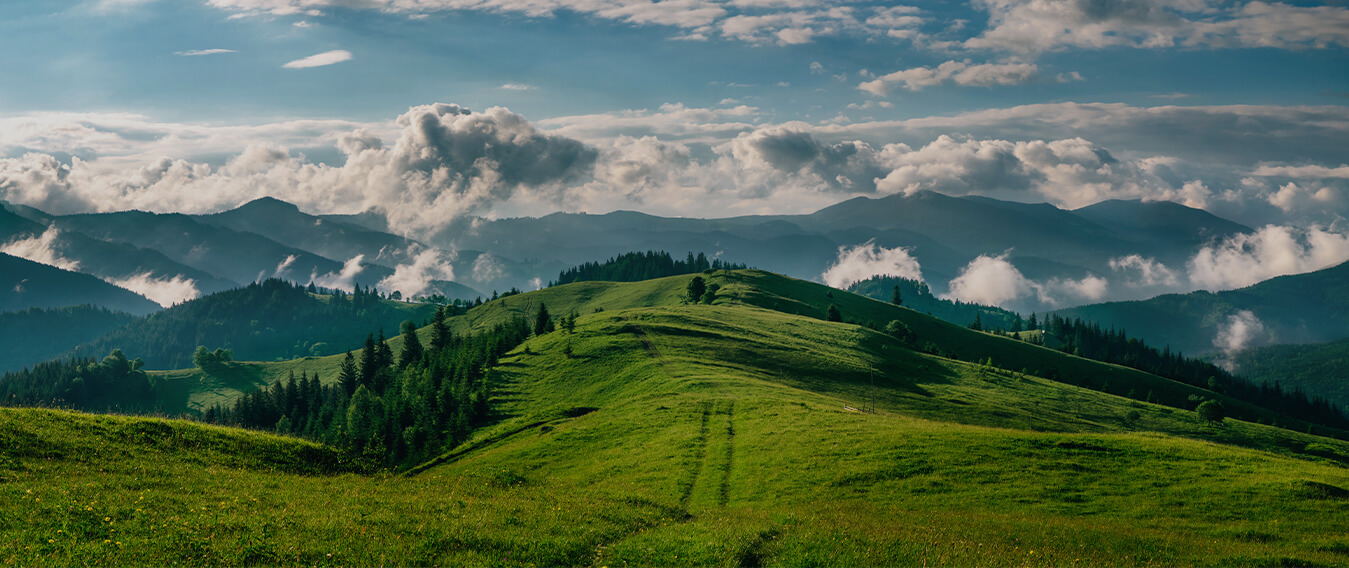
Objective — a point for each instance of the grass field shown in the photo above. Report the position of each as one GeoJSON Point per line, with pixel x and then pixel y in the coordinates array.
{"type": "Point", "coordinates": [730, 435]}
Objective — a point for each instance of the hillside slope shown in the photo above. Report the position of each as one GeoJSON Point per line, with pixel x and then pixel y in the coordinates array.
{"type": "Point", "coordinates": [26, 284]}
{"type": "Point", "coordinates": [731, 434]}
{"type": "Point", "coordinates": [1316, 368]}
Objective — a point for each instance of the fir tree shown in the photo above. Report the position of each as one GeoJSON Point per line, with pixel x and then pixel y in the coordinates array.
{"type": "Point", "coordinates": [412, 346]}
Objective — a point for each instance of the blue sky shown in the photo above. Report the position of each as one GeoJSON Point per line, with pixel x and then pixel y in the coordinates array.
{"type": "Point", "coordinates": [682, 107]}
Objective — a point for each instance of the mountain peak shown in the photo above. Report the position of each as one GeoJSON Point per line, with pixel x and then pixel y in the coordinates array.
{"type": "Point", "coordinates": [269, 204]}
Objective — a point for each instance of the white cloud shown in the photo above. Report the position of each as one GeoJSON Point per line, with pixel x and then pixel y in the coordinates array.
{"type": "Point", "coordinates": [163, 291]}
{"type": "Point", "coordinates": [487, 269]}
{"type": "Point", "coordinates": [344, 279]}
{"type": "Point", "coordinates": [866, 260]}
{"type": "Point", "coordinates": [994, 281]}
{"type": "Point", "coordinates": [1240, 331]}
{"type": "Point", "coordinates": [959, 72]}
{"type": "Point", "coordinates": [320, 59]}
{"type": "Point", "coordinates": [283, 265]}
{"type": "Point", "coordinates": [41, 249]}
{"type": "Point", "coordinates": [1142, 272]}
{"type": "Point", "coordinates": [200, 52]}
{"type": "Point", "coordinates": [1033, 26]}
{"type": "Point", "coordinates": [1307, 172]}
{"type": "Point", "coordinates": [518, 87]}
{"type": "Point", "coordinates": [1271, 251]}
{"type": "Point", "coordinates": [415, 277]}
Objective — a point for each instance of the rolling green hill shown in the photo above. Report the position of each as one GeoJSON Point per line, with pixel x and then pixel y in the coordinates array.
{"type": "Point", "coordinates": [748, 432]}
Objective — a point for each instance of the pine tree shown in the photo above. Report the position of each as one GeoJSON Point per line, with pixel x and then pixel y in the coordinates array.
{"type": "Point", "coordinates": [348, 378]}
{"type": "Point", "coordinates": [977, 325]}
{"type": "Point", "coordinates": [440, 333]}
{"type": "Point", "coordinates": [543, 323]}
{"type": "Point", "coordinates": [832, 314]}
{"type": "Point", "coordinates": [384, 354]}
{"type": "Point", "coordinates": [412, 346]}
{"type": "Point", "coordinates": [894, 297]}
{"type": "Point", "coordinates": [369, 360]}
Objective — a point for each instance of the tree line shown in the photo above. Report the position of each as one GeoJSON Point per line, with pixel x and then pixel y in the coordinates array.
{"type": "Point", "coordinates": [113, 384]}
{"type": "Point", "coordinates": [1090, 340]}
{"type": "Point", "coordinates": [638, 266]}
{"type": "Point", "coordinates": [389, 409]}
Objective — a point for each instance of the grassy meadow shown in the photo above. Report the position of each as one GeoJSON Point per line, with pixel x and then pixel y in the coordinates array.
{"type": "Point", "coordinates": [748, 432]}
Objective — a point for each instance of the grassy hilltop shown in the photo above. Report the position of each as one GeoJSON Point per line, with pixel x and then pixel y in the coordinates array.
{"type": "Point", "coordinates": [739, 433]}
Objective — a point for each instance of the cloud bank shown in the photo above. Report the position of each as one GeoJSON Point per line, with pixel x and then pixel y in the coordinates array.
{"type": "Point", "coordinates": [866, 260]}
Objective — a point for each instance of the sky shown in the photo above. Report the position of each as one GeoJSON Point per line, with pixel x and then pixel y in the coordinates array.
{"type": "Point", "coordinates": [433, 111]}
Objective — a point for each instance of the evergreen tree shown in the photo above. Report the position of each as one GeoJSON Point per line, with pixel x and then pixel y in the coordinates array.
{"type": "Point", "coordinates": [347, 377]}
{"type": "Point", "coordinates": [369, 360]}
{"type": "Point", "coordinates": [543, 323]}
{"type": "Point", "coordinates": [832, 314]}
{"type": "Point", "coordinates": [976, 325]}
{"type": "Point", "coordinates": [697, 287]}
{"type": "Point", "coordinates": [440, 332]}
{"type": "Point", "coordinates": [1032, 324]}
{"type": "Point", "coordinates": [894, 297]}
{"type": "Point", "coordinates": [412, 346]}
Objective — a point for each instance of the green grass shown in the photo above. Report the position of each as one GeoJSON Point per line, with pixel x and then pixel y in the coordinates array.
{"type": "Point", "coordinates": [727, 435]}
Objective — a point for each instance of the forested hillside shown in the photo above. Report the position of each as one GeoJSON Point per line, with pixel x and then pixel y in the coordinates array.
{"type": "Point", "coordinates": [263, 321]}
{"type": "Point", "coordinates": [36, 334]}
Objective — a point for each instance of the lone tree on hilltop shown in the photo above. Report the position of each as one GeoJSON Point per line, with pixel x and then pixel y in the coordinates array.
{"type": "Point", "coordinates": [894, 297]}
{"type": "Point", "coordinates": [697, 287]}
{"type": "Point", "coordinates": [1211, 411]}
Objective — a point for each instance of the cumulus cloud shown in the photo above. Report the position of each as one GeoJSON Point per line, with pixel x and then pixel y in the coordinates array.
{"type": "Point", "coordinates": [415, 277]}
{"type": "Point", "coordinates": [344, 279]}
{"type": "Point", "coordinates": [961, 73]}
{"type": "Point", "coordinates": [1245, 259]}
{"type": "Point", "coordinates": [991, 281]}
{"type": "Point", "coordinates": [320, 59]}
{"type": "Point", "coordinates": [1140, 272]}
{"type": "Point", "coordinates": [995, 281]}
{"type": "Point", "coordinates": [163, 291]}
{"type": "Point", "coordinates": [866, 260]}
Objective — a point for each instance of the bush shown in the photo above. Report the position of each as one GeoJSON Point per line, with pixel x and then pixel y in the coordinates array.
{"type": "Point", "coordinates": [1211, 411]}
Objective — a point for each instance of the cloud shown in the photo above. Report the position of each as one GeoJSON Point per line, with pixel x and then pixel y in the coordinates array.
{"type": "Point", "coordinates": [994, 281]}
{"type": "Point", "coordinates": [1140, 272]}
{"type": "Point", "coordinates": [200, 52]}
{"type": "Point", "coordinates": [1239, 331]}
{"type": "Point", "coordinates": [1245, 259]}
{"type": "Point", "coordinates": [487, 269]}
{"type": "Point", "coordinates": [518, 87]}
{"type": "Point", "coordinates": [163, 291]}
{"type": "Point", "coordinates": [866, 260]}
{"type": "Point", "coordinates": [344, 279]}
{"type": "Point", "coordinates": [41, 249]}
{"type": "Point", "coordinates": [961, 73]}
{"type": "Point", "coordinates": [991, 281]}
{"type": "Point", "coordinates": [283, 265]}
{"type": "Point", "coordinates": [320, 59]}
{"type": "Point", "coordinates": [1308, 172]}
{"type": "Point", "coordinates": [1034, 26]}
{"type": "Point", "coordinates": [415, 277]}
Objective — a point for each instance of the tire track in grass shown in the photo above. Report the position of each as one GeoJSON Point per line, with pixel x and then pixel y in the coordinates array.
{"type": "Point", "coordinates": [724, 496]}
{"type": "Point", "coordinates": [700, 456]}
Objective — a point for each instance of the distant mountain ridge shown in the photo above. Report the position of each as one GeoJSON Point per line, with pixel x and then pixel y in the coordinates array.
{"type": "Point", "coordinates": [1299, 308]}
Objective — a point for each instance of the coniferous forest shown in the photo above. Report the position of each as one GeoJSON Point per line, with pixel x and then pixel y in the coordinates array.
{"type": "Point", "coordinates": [389, 409]}
{"type": "Point", "coordinates": [638, 266]}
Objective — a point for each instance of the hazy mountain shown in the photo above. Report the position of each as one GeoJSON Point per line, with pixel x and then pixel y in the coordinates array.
{"type": "Point", "coordinates": [333, 239]}
{"type": "Point", "coordinates": [1160, 222]}
{"type": "Point", "coordinates": [26, 284]}
{"type": "Point", "coordinates": [110, 261]}
{"type": "Point", "coordinates": [234, 255]}
{"type": "Point", "coordinates": [1301, 308]}
{"type": "Point", "coordinates": [35, 335]}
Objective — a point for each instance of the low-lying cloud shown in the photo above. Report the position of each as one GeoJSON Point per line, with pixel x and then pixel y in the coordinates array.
{"type": "Point", "coordinates": [866, 260]}
{"type": "Point", "coordinates": [1245, 259]}
{"type": "Point", "coordinates": [413, 278]}
{"type": "Point", "coordinates": [344, 279]}
{"type": "Point", "coordinates": [163, 291]}
{"type": "Point", "coordinates": [42, 249]}
{"type": "Point", "coordinates": [995, 281]}
{"type": "Point", "coordinates": [1239, 331]}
